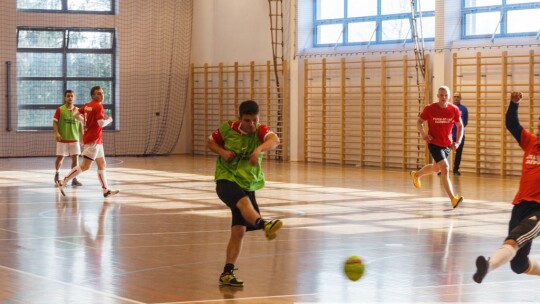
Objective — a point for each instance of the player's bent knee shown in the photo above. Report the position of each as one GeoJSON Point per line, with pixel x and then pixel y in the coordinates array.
{"type": "Point", "coordinates": [523, 233]}
{"type": "Point", "coordinates": [519, 266]}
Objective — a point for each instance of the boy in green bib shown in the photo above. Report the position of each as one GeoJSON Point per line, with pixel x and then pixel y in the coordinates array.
{"type": "Point", "coordinates": [67, 132]}
{"type": "Point", "coordinates": [240, 146]}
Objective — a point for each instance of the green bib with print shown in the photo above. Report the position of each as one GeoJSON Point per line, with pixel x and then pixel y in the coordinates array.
{"type": "Point", "coordinates": [239, 170]}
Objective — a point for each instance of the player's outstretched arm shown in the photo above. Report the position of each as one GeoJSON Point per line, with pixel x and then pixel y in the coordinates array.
{"type": "Point", "coordinates": [512, 119]}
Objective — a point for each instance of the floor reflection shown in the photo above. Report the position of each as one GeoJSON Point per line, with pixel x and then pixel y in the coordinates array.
{"type": "Point", "coordinates": [163, 239]}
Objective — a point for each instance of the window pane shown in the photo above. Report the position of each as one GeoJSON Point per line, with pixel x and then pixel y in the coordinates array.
{"type": "Point", "coordinates": [330, 9]}
{"type": "Point", "coordinates": [45, 64]}
{"type": "Point", "coordinates": [427, 5]}
{"type": "Point", "coordinates": [34, 118]}
{"type": "Point", "coordinates": [483, 23]}
{"type": "Point", "coordinates": [361, 8]}
{"type": "Point", "coordinates": [362, 31]}
{"type": "Point", "coordinates": [89, 65]}
{"type": "Point", "coordinates": [330, 34]}
{"type": "Point", "coordinates": [395, 6]}
{"type": "Point", "coordinates": [39, 65]}
{"type": "Point", "coordinates": [82, 90]}
{"type": "Point", "coordinates": [90, 40]}
{"type": "Point", "coordinates": [41, 39]}
{"type": "Point", "coordinates": [521, 21]}
{"type": "Point", "coordinates": [396, 29]}
{"type": "Point", "coordinates": [479, 3]}
{"type": "Point", "coordinates": [40, 4]}
{"type": "Point", "coordinates": [521, 1]}
{"type": "Point", "coordinates": [40, 92]}
{"type": "Point", "coordinates": [94, 5]}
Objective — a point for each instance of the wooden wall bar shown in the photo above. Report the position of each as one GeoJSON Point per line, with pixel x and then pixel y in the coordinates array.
{"type": "Point", "coordinates": [216, 92]}
{"type": "Point", "coordinates": [485, 80]}
{"type": "Point", "coordinates": [362, 110]}
{"type": "Point", "coordinates": [359, 111]}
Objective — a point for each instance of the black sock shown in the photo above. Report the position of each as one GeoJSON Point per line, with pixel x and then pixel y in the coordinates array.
{"type": "Point", "coordinates": [228, 268]}
{"type": "Point", "coordinates": [259, 223]}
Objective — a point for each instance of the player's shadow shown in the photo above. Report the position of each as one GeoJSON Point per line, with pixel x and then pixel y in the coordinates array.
{"type": "Point", "coordinates": [228, 292]}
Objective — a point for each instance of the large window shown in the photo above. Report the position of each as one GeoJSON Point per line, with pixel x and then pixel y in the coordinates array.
{"type": "Point", "coordinates": [357, 22]}
{"type": "Point", "coordinates": [51, 60]}
{"type": "Point", "coordinates": [500, 18]}
{"type": "Point", "coordinates": [67, 6]}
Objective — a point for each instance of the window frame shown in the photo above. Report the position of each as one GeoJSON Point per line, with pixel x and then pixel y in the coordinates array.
{"type": "Point", "coordinates": [65, 10]}
{"type": "Point", "coordinates": [502, 9]}
{"type": "Point", "coordinates": [379, 19]}
{"type": "Point", "coordinates": [65, 51]}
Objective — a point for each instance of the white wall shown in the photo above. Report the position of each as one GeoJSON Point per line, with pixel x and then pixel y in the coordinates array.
{"type": "Point", "coordinates": [230, 30]}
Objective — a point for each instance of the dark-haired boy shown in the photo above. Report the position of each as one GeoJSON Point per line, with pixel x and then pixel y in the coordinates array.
{"type": "Point", "coordinates": [240, 146]}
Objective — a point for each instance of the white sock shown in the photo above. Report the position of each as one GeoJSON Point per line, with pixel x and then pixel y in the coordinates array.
{"type": "Point", "coordinates": [534, 268]}
{"type": "Point", "coordinates": [501, 256]}
{"type": "Point", "coordinates": [102, 180]}
{"type": "Point", "coordinates": [72, 174]}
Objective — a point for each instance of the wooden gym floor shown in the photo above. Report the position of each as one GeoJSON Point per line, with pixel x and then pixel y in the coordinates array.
{"type": "Point", "coordinates": [163, 238]}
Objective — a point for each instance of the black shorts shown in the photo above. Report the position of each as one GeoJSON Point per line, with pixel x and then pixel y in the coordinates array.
{"type": "Point", "coordinates": [230, 193]}
{"type": "Point", "coordinates": [523, 227]}
{"type": "Point", "coordinates": [438, 153]}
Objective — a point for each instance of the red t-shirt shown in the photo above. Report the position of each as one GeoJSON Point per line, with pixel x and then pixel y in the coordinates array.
{"type": "Point", "coordinates": [529, 185]}
{"type": "Point", "coordinates": [92, 112]}
{"type": "Point", "coordinates": [440, 122]}
{"type": "Point", "coordinates": [235, 125]}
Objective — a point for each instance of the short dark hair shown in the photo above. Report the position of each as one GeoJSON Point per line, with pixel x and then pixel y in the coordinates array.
{"type": "Point", "coordinates": [249, 107]}
{"type": "Point", "coordinates": [94, 89]}
{"type": "Point", "coordinates": [67, 91]}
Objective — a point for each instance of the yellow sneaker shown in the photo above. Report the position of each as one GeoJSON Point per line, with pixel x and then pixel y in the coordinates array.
{"type": "Point", "coordinates": [456, 200]}
{"type": "Point", "coordinates": [270, 228]}
{"type": "Point", "coordinates": [415, 180]}
{"type": "Point", "coordinates": [228, 278]}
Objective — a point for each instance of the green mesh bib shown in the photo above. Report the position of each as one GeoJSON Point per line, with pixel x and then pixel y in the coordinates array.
{"type": "Point", "coordinates": [67, 125]}
{"type": "Point", "coordinates": [239, 170]}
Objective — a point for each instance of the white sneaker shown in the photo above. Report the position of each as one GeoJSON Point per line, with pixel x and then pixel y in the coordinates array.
{"type": "Point", "coordinates": [110, 192]}
{"type": "Point", "coordinates": [60, 185]}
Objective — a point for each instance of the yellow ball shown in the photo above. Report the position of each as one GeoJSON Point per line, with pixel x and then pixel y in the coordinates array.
{"type": "Point", "coordinates": [354, 268]}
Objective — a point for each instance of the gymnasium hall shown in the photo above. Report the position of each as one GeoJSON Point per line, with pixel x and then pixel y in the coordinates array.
{"type": "Point", "coordinates": [341, 83]}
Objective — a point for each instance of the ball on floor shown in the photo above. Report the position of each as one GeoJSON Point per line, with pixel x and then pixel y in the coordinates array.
{"type": "Point", "coordinates": [354, 268]}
